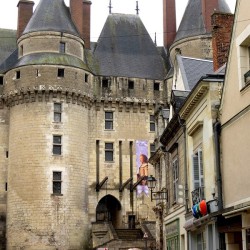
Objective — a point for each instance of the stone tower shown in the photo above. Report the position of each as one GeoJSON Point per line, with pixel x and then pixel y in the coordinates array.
{"type": "Point", "coordinates": [48, 94]}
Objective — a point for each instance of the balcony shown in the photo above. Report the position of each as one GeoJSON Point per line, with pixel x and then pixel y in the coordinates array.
{"type": "Point", "coordinates": [198, 195]}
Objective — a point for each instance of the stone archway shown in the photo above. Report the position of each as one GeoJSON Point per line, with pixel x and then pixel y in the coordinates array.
{"type": "Point", "coordinates": [109, 209]}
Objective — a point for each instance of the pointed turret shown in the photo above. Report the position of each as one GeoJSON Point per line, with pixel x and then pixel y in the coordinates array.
{"type": "Point", "coordinates": [51, 15]}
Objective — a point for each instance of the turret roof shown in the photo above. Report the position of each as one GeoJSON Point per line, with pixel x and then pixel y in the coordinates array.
{"type": "Point", "coordinates": [192, 23]}
{"type": "Point", "coordinates": [51, 15]}
{"type": "Point", "coordinates": [125, 49]}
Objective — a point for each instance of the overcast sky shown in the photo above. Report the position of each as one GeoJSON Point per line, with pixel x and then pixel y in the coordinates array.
{"type": "Point", "coordinates": [150, 13]}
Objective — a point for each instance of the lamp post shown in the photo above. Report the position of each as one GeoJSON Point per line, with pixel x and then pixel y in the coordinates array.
{"type": "Point", "coordinates": [145, 237]}
{"type": "Point", "coordinates": [158, 195]}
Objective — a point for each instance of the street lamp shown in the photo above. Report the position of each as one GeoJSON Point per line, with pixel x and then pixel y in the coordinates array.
{"type": "Point", "coordinates": [158, 195]}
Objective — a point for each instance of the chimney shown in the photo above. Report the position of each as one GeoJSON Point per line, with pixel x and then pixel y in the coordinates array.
{"type": "Point", "coordinates": [169, 22]}
{"type": "Point", "coordinates": [86, 22]}
{"type": "Point", "coordinates": [208, 8]}
{"type": "Point", "coordinates": [222, 24]}
{"type": "Point", "coordinates": [25, 12]}
{"type": "Point", "coordinates": [80, 14]}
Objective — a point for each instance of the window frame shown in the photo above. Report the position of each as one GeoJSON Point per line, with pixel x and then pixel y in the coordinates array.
{"type": "Point", "coordinates": [62, 47]}
{"type": "Point", "coordinates": [152, 123]}
{"type": "Point", "coordinates": [109, 120]}
{"type": "Point", "coordinates": [57, 145]}
{"type": "Point", "coordinates": [57, 112]}
{"type": "Point", "coordinates": [109, 151]}
{"type": "Point", "coordinates": [175, 174]}
{"type": "Point", "coordinates": [152, 147]}
{"type": "Point", "coordinates": [56, 181]}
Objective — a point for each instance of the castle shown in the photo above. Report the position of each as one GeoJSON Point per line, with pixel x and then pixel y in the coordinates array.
{"type": "Point", "coordinates": [76, 116]}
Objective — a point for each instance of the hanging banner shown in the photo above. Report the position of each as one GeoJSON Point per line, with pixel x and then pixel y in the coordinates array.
{"type": "Point", "coordinates": [142, 167]}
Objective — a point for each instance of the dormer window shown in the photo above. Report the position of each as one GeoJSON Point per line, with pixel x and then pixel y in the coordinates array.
{"type": "Point", "coordinates": [62, 47]}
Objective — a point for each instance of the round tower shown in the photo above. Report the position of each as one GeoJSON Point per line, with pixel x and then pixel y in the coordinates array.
{"type": "Point", "coordinates": [48, 93]}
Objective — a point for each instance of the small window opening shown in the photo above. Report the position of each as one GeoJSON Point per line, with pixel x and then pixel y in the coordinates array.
{"type": "Point", "coordinates": [60, 72]}
{"type": "Point", "coordinates": [86, 78]}
{"type": "Point", "coordinates": [7, 154]}
{"type": "Point", "coordinates": [18, 74]}
{"type": "Point", "coordinates": [105, 83]}
{"type": "Point", "coordinates": [6, 186]}
{"type": "Point", "coordinates": [156, 86]}
{"type": "Point", "coordinates": [130, 84]}
{"type": "Point", "coordinates": [62, 47]}
{"type": "Point", "coordinates": [1, 80]}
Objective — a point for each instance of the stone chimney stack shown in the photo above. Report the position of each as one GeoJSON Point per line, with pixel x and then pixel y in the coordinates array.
{"type": "Point", "coordinates": [169, 22]}
{"type": "Point", "coordinates": [222, 24]}
{"type": "Point", "coordinates": [25, 11]}
{"type": "Point", "coordinates": [80, 14]}
{"type": "Point", "coordinates": [208, 8]}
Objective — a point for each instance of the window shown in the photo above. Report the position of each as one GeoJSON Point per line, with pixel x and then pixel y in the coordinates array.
{"type": "Point", "coordinates": [152, 149]}
{"type": "Point", "coordinates": [86, 78]}
{"type": "Point", "coordinates": [130, 84]}
{"type": "Point", "coordinates": [243, 57]}
{"type": "Point", "coordinates": [109, 120]}
{"type": "Point", "coordinates": [18, 74]}
{"type": "Point", "coordinates": [1, 80]}
{"type": "Point", "coordinates": [156, 86]}
{"type": "Point", "coordinates": [57, 112]}
{"type": "Point", "coordinates": [60, 72]}
{"type": "Point", "coordinates": [57, 182]}
{"type": "Point", "coordinates": [198, 178]}
{"type": "Point", "coordinates": [62, 47]}
{"type": "Point", "coordinates": [175, 179]}
{"type": "Point", "coordinates": [21, 50]}
{"type": "Point", "coordinates": [109, 151]}
{"type": "Point", "coordinates": [152, 123]}
{"type": "Point", "coordinates": [105, 83]}
{"type": "Point", "coordinates": [57, 144]}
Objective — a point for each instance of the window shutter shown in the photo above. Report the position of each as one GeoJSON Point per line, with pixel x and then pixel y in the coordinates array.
{"type": "Point", "coordinates": [196, 171]}
{"type": "Point", "coordinates": [201, 168]}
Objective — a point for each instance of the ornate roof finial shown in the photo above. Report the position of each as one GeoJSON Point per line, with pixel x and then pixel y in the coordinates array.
{"type": "Point", "coordinates": [110, 7]}
{"type": "Point", "coordinates": [137, 8]}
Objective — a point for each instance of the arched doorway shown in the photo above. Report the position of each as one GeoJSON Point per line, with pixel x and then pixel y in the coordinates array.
{"type": "Point", "coordinates": [109, 209]}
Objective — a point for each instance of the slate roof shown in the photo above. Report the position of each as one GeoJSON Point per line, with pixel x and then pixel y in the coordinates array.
{"type": "Point", "coordinates": [192, 69]}
{"type": "Point", "coordinates": [192, 23]}
{"type": "Point", "coordinates": [7, 43]}
{"type": "Point", "coordinates": [125, 48]}
{"type": "Point", "coordinates": [51, 15]}
{"type": "Point", "coordinates": [178, 98]}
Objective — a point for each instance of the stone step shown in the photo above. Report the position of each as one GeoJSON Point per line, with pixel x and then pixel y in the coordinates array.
{"type": "Point", "coordinates": [129, 234]}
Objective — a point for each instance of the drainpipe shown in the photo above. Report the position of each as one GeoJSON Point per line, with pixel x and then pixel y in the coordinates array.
{"type": "Point", "coordinates": [217, 131]}
{"type": "Point", "coordinates": [183, 125]}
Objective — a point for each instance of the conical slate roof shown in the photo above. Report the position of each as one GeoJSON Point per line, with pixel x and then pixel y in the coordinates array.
{"type": "Point", "coordinates": [192, 23]}
{"type": "Point", "coordinates": [125, 49]}
{"type": "Point", "coordinates": [51, 15]}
